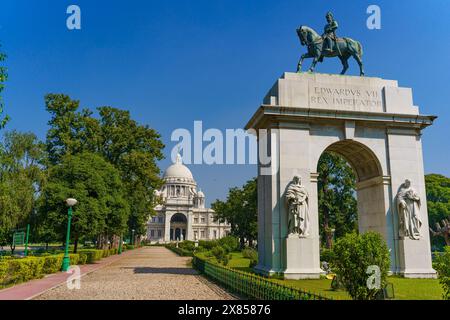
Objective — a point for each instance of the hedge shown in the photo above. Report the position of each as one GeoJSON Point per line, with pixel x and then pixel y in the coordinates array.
{"type": "Point", "coordinates": [180, 251]}
{"type": "Point", "coordinates": [16, 270]}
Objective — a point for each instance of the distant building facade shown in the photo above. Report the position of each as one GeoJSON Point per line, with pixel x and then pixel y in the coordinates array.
{"type": "Point", "coordinates": [182, 214]}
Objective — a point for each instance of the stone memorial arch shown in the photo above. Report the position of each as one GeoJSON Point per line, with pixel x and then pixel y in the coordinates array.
{"type": "Point", "coordinates": [370, 122]}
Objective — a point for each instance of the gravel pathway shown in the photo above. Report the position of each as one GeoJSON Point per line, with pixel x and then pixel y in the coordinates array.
{"type": "Point", "coordinates": [149, 273]}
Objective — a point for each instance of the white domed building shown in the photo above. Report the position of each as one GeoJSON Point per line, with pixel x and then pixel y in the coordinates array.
{"type": "Point", "coordinates": [182, 214]}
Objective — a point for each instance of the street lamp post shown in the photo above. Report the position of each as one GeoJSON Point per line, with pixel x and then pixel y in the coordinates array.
{"type": "Point", "coordinates": [132, 237]}
{"type": "Point", "coordinates": [66, 260]}
{"type": "Point", "coordinates": [120, 245]}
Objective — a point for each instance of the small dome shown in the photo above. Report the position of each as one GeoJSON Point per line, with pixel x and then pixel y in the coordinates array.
{"type": "Point", "coordinates": [178, 170]}
{"type": "Point", "coordinates": [200, 194]}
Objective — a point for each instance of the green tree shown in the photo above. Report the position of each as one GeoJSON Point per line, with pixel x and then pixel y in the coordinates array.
{"type": "Point", "coordinates": [438, 203]}
{"type": "Point", "coordinates": [96, 184]}
{"type": "Point", "coordinates": [352, 259]}
{"type": "Point", "coordinates": [3, 78]}
{"type": "Point", "coordinates": [21, 176]}
{"type": "Point", "coordinates": [71, 131]}
{"type": "Point", "coordinates": [240, 211]}
{"type": "Point", "coordinates": [131, 148]}
{"type": "Point", "coordinates": [336, 192]}
{"type": "Point", "coordinates": [442, 266]}
{"type": "Point", "coordinates": [134, 150]}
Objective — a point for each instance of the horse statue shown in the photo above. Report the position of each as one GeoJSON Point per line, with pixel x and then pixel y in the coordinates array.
{"type": "Point", "coordinates": [343, 48]}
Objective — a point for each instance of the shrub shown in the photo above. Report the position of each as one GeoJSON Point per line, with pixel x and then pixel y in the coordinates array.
{"type": "Point", "coordinates": [187, 245]}
{"type": "Point", "coordinates": [3, 271]}
{"type": "Point", "coordinates": [52, 263]}
{"type": "Point", "coordinates": [326, 254]}
{"type": "Point", "coordinates": [24, 269]}
{"type": "Point", "coordinates": [208, 244]}
{"type": "Point", "coordinates": [251, 254]}
{"type": "Point", "coordinates": [352, 255]}
{"type": "Point", "coordinates": [218, 252]}
{"type": "Point", "coordinates": [442, 266]}
{"type": "Point", "coordinates": [74, 258]}
{"type": "Point", "coordinates": [231, 243]}
{"type": "Point", "coordinates": [92, 255]}
{"type": "Point", "coordinates": [225, 260]}
{"type": "Point", "coordinates": [83, 258]}
{"type": "Point", "coordinates": [180, 251]}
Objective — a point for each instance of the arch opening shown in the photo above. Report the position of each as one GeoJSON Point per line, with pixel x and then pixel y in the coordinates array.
{"type": "Point", "coordinates": [360, 157]}
{"type": "Point", "coordinates": [345, 203]}
{"type": "Point", "coordinates": [178, 227]}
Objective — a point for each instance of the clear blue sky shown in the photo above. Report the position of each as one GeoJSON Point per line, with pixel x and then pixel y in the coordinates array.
{"type": "Point", "coordinates": [173, 62]}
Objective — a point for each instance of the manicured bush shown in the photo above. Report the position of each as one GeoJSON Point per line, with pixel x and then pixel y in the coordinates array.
{"type": "Point", "coordinates": [229, 243]}
{"type": "Point", "coordinates": [83, 258]}
{"type": "Point", "coordinates": [219, 253]}
{"type": "Point", "coordinates": [16, 270]}
{"type": "Point", "coordinates": [180, 251]}
{"type": "Point", "coordinates": [326, 254]}
{"type": "Point", "coordinates": [24, 269]}
{"type": "Point", "coordinates": [187, 245]}
{"type": "Point", "coordinates": [92, 254]}
{"type": "Point", "coordinates": [442, 266]}
{"type": "Point", "coordinates": [251, 254]}
{"type": "Point", "coordinates": [74, 258]}
{"type": "Point", "coordinates": [52, 263]}
{"type": "Point", "coordinates": [3, 271]}
{"type": "Point", "coordinates": [208, 244]}
{"type": "Point", "coordinates": [352, 256]}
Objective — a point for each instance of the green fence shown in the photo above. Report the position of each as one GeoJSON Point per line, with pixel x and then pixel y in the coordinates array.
{"type": "Point", "coordinates": [250, 285]}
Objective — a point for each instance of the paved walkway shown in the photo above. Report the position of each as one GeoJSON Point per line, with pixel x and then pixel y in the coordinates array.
{"type": "Point", "coordinates": [30, 289]}
{"type": "Point", "coordinates": [153, 273]}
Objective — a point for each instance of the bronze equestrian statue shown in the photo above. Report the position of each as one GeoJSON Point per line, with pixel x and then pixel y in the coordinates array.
{"type": "Point", "coordinates": [328, 45]}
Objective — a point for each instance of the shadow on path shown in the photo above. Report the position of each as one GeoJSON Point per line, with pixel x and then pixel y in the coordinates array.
{"type": "Point", "coordinates": [166, 270]}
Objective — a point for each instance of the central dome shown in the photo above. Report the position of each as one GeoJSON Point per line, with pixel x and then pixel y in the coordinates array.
{"type": "Point", "coordinates": [178, 170]}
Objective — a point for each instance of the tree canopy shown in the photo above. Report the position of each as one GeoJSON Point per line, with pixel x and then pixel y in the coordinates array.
{"type": "Point", "coordinates": [240, 211]}
{"type": "Point", "coordinates": [22, 158]}
{"type": "Point", "coordinates": [96, 184]}
{"type": "Point", "coordinates": [107, 161]}
{"type": "Point", "coordinates": [131, 148]}
{"type": "Point", "coordinates": [3, 77]}
{"type": "Point", "coordinates": [337, 202]}
{"type": "Point", "coordinates": [438, 203]}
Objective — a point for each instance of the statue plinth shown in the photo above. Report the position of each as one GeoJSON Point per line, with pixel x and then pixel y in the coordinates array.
{"type": "Point", "coordinates": [374, 125]}
{"type": "Point", "coordinates": [301, 263]}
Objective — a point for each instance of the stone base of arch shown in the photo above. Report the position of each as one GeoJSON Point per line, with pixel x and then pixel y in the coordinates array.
{"type": "Point", "coordinates": [374, 125]}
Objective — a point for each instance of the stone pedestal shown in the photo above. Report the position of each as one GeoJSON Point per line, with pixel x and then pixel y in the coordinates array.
{"type": "Point", "coordinates": [300, 262]}
{"type": "Point", "coordinates": [415, 259]}
{"type": "Point", "coordinates": [375, 126]}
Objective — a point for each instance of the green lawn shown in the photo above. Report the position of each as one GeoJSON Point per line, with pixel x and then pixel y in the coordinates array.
{"type": "Point", "coordinates": [416, 289]}
{"type": "Point", "coordinates": [404, 289]}
{"type": "Point", "coordinates": [238, 262]}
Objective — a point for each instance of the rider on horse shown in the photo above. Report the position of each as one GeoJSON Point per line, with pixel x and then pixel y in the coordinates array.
{"type": "Point", "coordinates": [329, 35]}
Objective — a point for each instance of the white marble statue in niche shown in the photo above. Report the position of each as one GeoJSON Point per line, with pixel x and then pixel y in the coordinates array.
{"type": "Point", "coordinates": [408, 206]}
{"type": "Point", "coordinates": [297, 204]}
